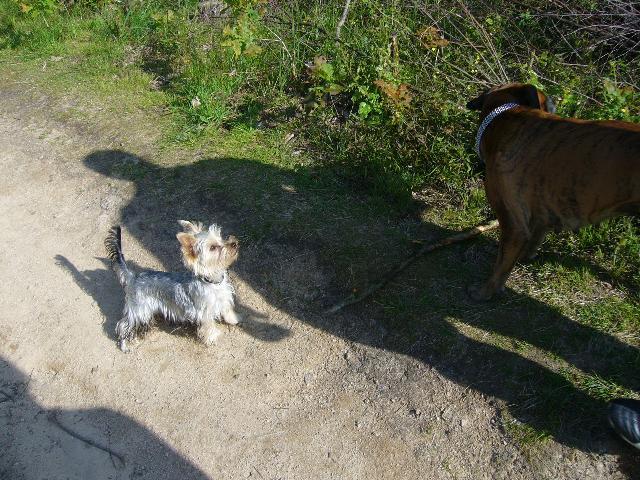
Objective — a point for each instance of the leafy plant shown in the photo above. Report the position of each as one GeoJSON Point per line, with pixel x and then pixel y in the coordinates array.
{"type": "Point", "coordinates": [34, 7]}
{"type": "Point", "coordinates": [242, 36]}
{"type": "Point", "coordinates": [619, 102]}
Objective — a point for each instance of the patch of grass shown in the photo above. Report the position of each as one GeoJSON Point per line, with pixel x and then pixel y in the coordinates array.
{"type": "Point", "coordinates": [614, 245]}
{"type": "Point", "coordinates": [524, 435]}
{"type": "Point", "coordinates": [470, 210]}
{"type": "Point", "coordinates": [612, 315]}
{"type": "Point", "coordinates": [601, 388]}
{"type": "Point", "coordinates": [560, 280]}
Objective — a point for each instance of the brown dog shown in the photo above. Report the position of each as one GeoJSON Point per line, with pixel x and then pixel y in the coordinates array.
{"type": "Point", "coordinates": [545, 173]}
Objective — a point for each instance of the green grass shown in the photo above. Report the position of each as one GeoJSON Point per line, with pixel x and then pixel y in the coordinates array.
{"type": "Point", "coordinates": [561, 341]}
{"type": "Point", "coordinates": [611, 315]}
{"type": "Point", "coordinates": [525, 435]}
{"type": "Point", "coordinates": [601, 388]}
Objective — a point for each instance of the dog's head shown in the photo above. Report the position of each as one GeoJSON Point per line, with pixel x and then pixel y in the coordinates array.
{"type": "Point", "coordinates": [204, 251]}
{"type": "Point", "coordinates": [520, 93]}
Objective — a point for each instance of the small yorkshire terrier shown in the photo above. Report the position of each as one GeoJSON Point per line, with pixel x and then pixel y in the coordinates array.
{"type": "Point", "coordinates": [199, 297]}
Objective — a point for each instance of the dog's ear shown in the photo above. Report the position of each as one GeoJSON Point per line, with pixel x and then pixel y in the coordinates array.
{"type": "Point", "coordinates": [188, 244]}
{"type": "Point", "coordinates": [215, 229]}
{"type": "Point", "coordinates": [476, 103]}
{"type": "Point", "coordinates": [190, 227]}
{"type": "Point", "coordinates": [529, 96]}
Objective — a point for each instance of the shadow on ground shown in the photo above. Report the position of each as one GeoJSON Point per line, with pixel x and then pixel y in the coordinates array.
{"type": "Point", "coordinates": [306, 239]}
{"type": "Point", "coordinates": [96, 443]}
{"type": "Point", "coordinates": [101, 284]}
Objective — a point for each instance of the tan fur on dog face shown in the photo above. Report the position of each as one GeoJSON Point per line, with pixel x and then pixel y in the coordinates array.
{"type": "Point", "coordinates": [188, 244]}
{"type": "Point", "coordinates": [231, 247]}
{"type": "Point", "coordinates": [204, 251]}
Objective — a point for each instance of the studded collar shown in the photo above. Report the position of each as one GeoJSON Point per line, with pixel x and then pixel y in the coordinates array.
{"type": "Point", "coordinates": [487, 121]}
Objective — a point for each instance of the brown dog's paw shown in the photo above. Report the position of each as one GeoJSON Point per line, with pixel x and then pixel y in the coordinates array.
{"type": "Point", "coordinates": [479, 293]}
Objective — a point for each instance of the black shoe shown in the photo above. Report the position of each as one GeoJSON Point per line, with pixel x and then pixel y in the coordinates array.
{"type": "Point", "coordinates": [624, 418]}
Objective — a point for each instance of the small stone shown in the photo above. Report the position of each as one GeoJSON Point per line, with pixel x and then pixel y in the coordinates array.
{"type": "Point", "coordinates": [308, 378]}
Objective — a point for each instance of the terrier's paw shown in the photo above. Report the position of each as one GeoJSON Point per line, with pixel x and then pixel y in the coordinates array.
{"type": "Point", "coordinates": [231, 318]}
{"type": "Point", "coordinates": [124, 347]}
{"type": "Point", "coordinates": [211, 338]}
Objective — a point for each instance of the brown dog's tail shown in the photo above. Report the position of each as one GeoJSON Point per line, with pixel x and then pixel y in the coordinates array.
{"type": "Point", "coordinates": [113, 244]}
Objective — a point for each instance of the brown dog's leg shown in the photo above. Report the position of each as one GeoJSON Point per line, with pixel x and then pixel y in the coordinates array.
{"type": "Point", "coordinates": [513, 244]}
{"type": "Point", "coordinates": [534, 243]}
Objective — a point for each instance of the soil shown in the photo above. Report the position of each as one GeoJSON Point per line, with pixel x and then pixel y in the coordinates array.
{"type": "Point", "coordinates": [280, 396]}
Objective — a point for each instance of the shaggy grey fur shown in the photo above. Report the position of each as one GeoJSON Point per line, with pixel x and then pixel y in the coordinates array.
{"type": "Point", "coordinates": [200, 297]}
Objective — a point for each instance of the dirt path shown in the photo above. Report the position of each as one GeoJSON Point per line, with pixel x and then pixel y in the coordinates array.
{"type": "Point", "coordinates": [277, 399]}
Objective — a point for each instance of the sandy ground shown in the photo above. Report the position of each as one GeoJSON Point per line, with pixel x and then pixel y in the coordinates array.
{"type": "Point", "coordinates": [278, 398]}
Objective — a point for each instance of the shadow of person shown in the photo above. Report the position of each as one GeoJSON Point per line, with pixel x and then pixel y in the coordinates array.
{"type": "Point", "coordinates": [306, 236]}
{"type": "Point", "coordinates": [37, 442]}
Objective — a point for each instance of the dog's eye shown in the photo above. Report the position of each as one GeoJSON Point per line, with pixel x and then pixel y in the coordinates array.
{"type": "Point", "coordinates": [213, 248]}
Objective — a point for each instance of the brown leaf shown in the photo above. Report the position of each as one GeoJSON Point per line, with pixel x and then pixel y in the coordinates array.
{"type": "Point", "coordinates": [431, 37]}
{"type": "Point", "coordinates": [400, 94]}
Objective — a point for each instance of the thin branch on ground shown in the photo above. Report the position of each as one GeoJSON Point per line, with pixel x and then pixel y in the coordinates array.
{"type": "Point", "coordinates": [459, 237]}
{"type": "Point", "coordinates": [54, 419]}
{"type": "Point", "coordinates": [343, 19]}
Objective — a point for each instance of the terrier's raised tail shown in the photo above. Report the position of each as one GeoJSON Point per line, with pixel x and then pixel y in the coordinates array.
{"type": "Point", "coordinates": [113, 244]}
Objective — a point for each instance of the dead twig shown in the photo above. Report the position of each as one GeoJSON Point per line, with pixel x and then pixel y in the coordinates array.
{"type": "Point", "coordinates": [459, 237]}
{"type": "Point", "coordinates": [7, 397]}
{"type": "Point", "coordinates": [343, 18]}
{"type": "Point", "coordinates": [51, 416]}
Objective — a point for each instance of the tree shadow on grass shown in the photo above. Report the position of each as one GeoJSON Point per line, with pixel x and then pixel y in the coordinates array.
{"type": "Point", "coordinates": [37, 442]}
{"type": "Point", "coordinates": [306, 239]}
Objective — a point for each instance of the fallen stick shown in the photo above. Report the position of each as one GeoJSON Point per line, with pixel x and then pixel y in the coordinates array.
{"type": "Point", "coordinates": [458, 237]}
{"type": "Point", "coordinates": [54, 419]}
{"type": "Point", "coordinates": [343, 19]}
